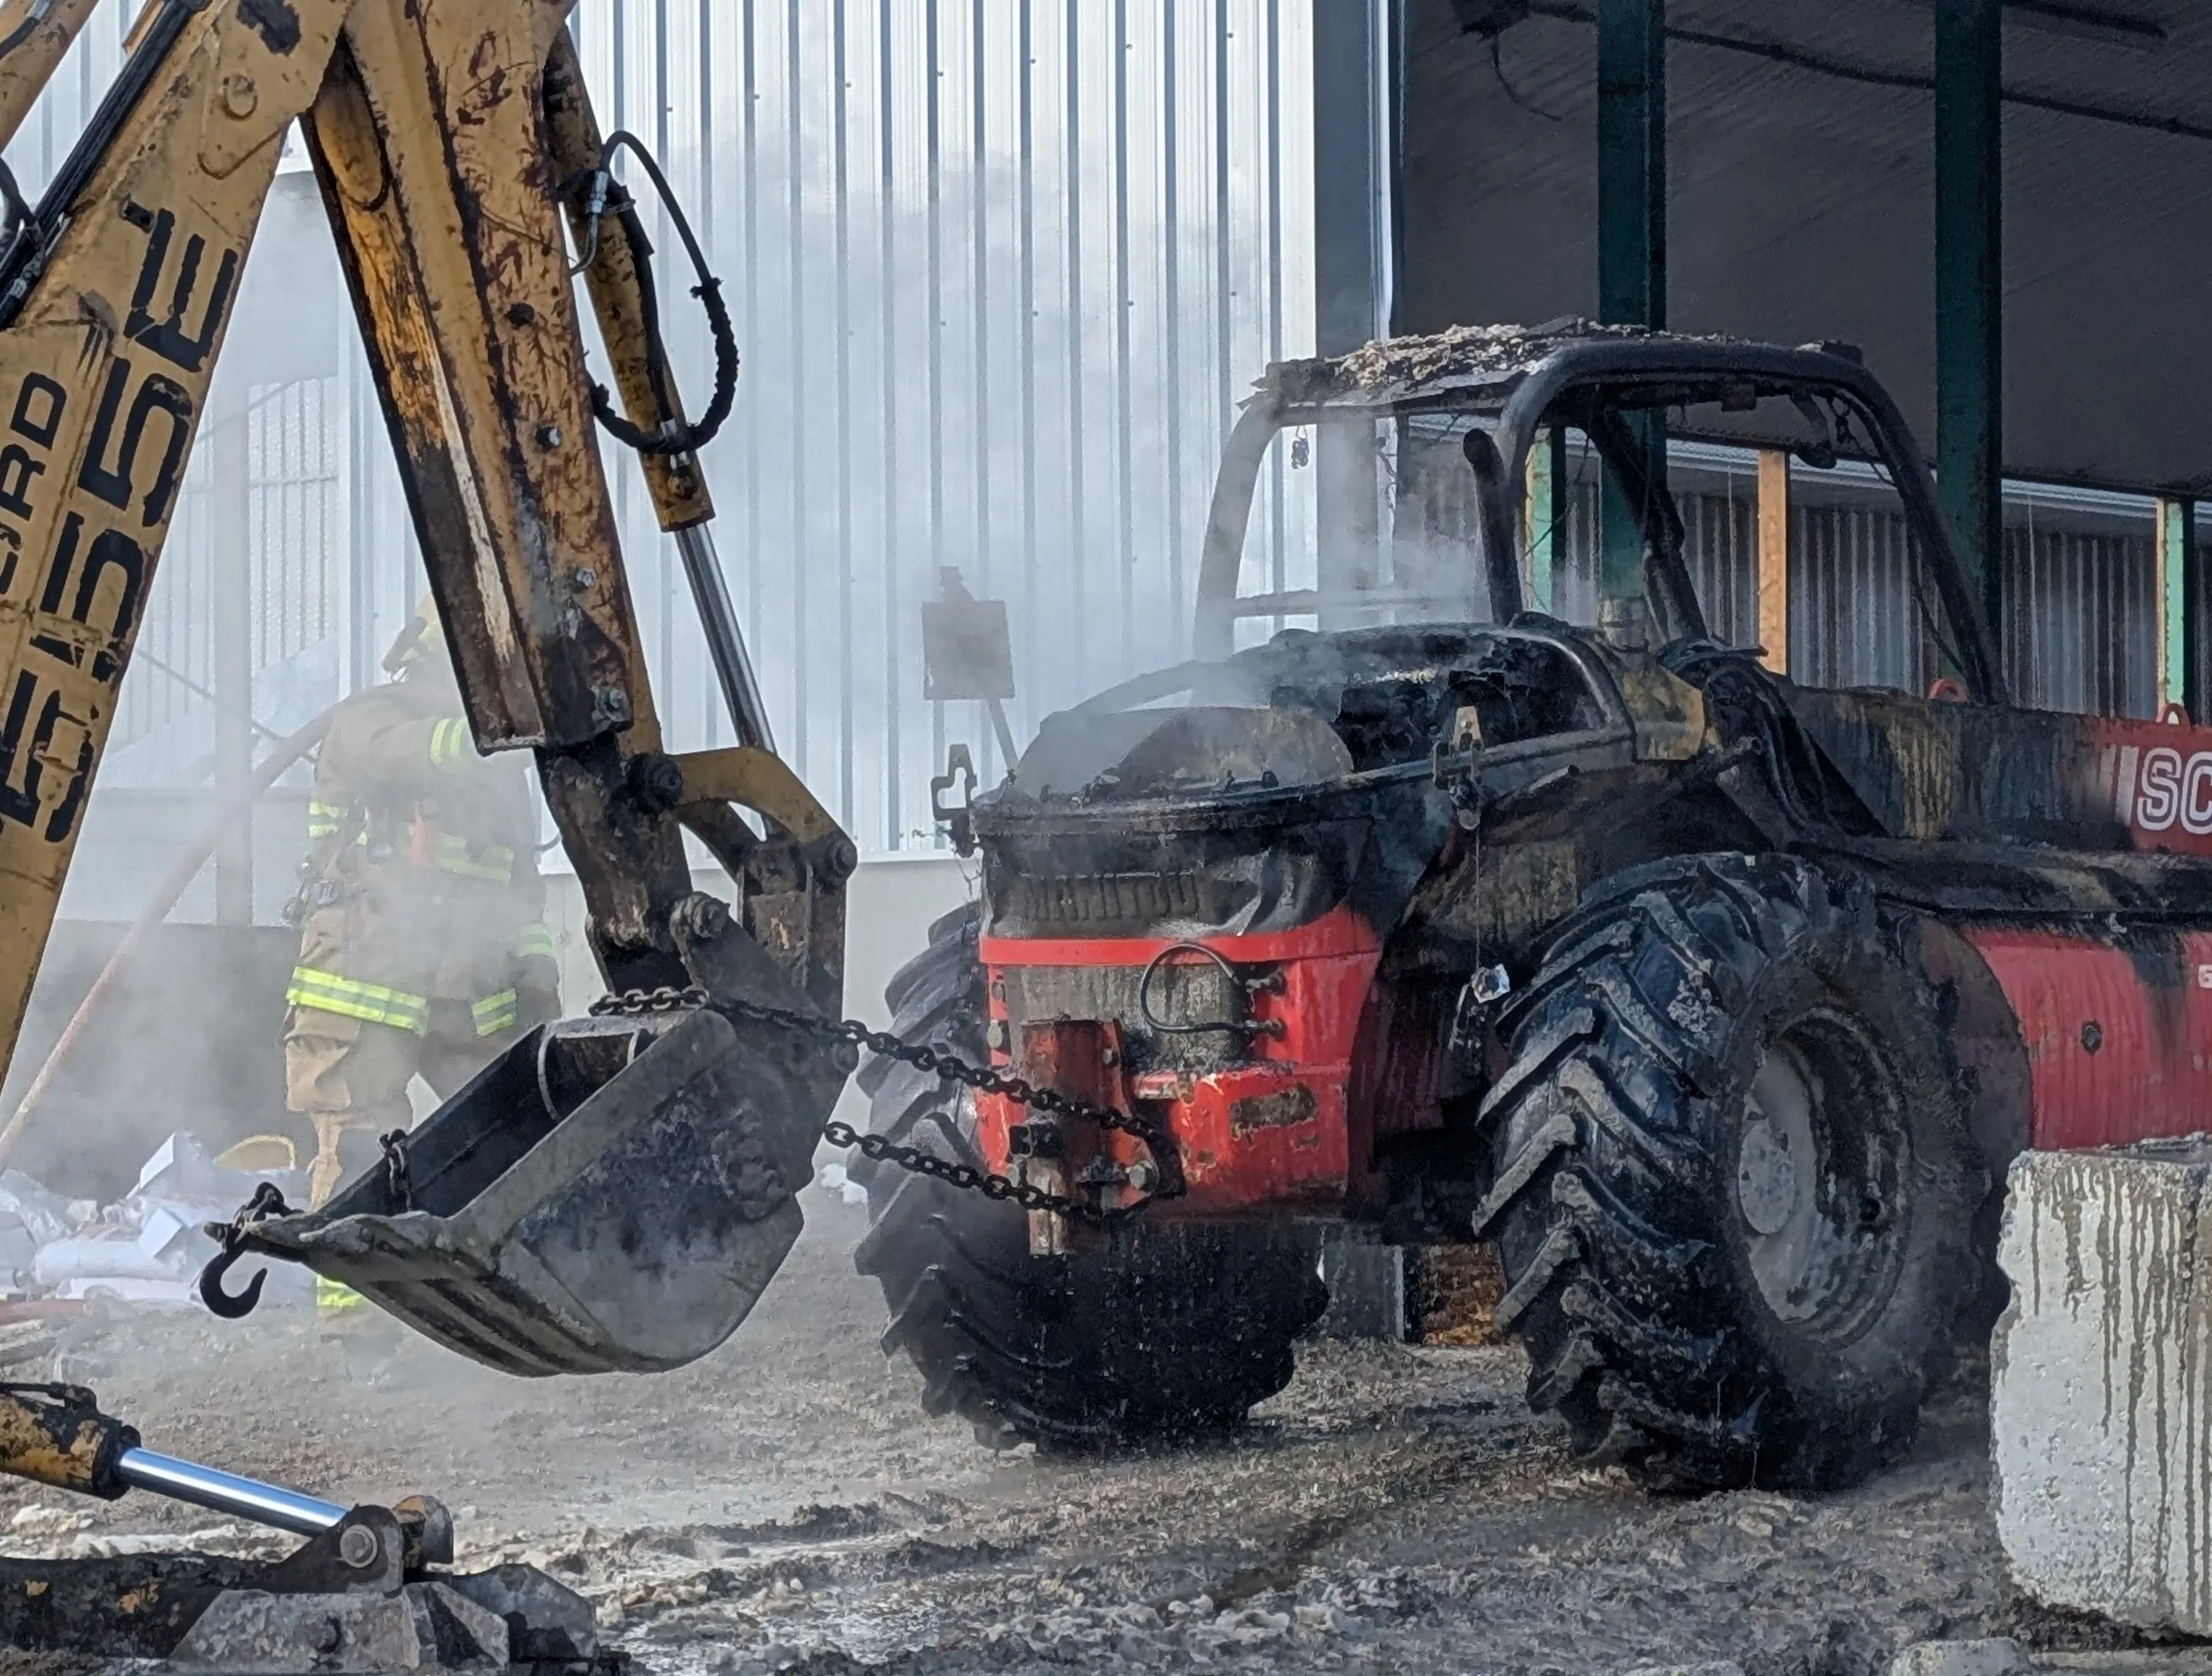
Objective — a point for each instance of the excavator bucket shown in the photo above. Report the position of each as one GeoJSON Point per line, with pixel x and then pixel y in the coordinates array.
{"type": "Point", "coordinates": [610, 1195]}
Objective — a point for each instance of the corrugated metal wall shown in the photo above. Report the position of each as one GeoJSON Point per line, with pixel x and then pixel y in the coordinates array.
{"type": "Point", "coordinates": [2082, 608]}
{"type": "Point", "coordinates": [1720, 511]}
{"type": "Point", "coordinates": [1856, 619]}
{"type": "Point", "coordinates": [2081, 617]}
{"type": "Point", "coordinates": [1002, 270]}
{"type": "Point", "coordinates": [287, 468]}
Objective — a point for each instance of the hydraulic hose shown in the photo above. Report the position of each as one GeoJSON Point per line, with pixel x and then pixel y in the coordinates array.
{"type": "Point", "coordinates": [605, 198]}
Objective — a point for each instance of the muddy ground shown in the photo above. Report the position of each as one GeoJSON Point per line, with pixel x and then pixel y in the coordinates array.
{"type": "Point", "coordinates": [787, 1504]}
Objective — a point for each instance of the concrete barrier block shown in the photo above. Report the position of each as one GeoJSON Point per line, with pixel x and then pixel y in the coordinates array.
{"type": "Point", "coordinates": [2101, 1383]}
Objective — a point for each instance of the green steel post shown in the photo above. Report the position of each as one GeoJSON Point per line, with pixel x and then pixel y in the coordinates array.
{"type": "Point", "coordinates": [1632, 231]}
{"type": "Point", "coordinates": [1544, 528]}
{"type": "Point", "coordinates": [2180, 644]}
{"type": "Point", "coordinates": [2194, 696]}
{"type": "Point", "coordinates": [1970, 286]}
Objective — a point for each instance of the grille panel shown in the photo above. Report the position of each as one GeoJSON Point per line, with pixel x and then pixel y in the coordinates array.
{"type": "Point", "coordinates": [1079, 900]}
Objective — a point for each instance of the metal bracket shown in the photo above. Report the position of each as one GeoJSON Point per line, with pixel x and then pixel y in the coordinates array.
{"type": "Point", "coordinates": [793, 885]}
{"type": "Point", "coordinates": [353, 1601]}
{"type": "Point", "coordinates": [1455, 765]}
{"type": "Point", "coordinates": [958, 820]}
{"type": "Point", "coordinates": [1472, 1015]}
{"type": "Point", "coordinates": [761, 781]}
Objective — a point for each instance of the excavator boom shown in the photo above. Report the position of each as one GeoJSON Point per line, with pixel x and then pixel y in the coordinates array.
{"type": "Point", "coordinates": [457, 156]}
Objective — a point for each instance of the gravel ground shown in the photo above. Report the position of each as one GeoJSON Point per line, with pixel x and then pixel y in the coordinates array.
{"type": "Point", "coordinates": [787, 1505]}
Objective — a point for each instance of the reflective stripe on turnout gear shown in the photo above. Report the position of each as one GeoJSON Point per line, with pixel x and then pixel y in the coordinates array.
{"type": "Point", "coordinates": [448, 739]}
{"type": "Point", "coordinates": [371, 1003]}
{"type": "Point", "coordinates": [536, 942]}
{"type": "Point", "coordinates": [456, 856]}
{"type": "Point", "coordinates": [334, 1295]}
{"type": "Point", "coordinates": [495, 1013]}
{"type": "Point", "coordinates": [447, 851]}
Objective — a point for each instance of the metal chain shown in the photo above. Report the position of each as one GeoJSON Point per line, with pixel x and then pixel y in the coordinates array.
{"type": "Point", "coordinates": [937, 1061]}
{"type": "Point", "coordinates": [967, 1178]}
{"type": "Point", "coordinates": [396, 1183]}
{"type": "Point", "coordinates": [640, 1003]}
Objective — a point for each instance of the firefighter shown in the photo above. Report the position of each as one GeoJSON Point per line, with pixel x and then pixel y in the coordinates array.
{"type": "Point", "coordinates": [422, 948]}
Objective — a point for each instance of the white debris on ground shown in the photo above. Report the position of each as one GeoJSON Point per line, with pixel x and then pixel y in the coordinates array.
{"type": "Point", "coordinates": [834, 1180]}
{"type": "Point", "coordinates": [32, 1216]}
{"type": "Point", "coordinates": [146, 1249]}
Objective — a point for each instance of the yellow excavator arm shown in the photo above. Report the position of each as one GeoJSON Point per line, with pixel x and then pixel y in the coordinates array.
{"type": "Point", "coordinates": [459, 160]}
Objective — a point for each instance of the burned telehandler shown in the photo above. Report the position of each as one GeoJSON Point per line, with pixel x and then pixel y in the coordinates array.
{"type": "Point", "coordinates": [1718, 1002]}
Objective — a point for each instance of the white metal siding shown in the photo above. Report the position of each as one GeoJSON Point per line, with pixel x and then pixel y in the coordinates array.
{"type": "Point", "coordinates": [1002, 270]}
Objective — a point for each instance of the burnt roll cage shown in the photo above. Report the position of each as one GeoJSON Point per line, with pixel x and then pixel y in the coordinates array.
{"type": "Point", "coordinates": [1595, 385]}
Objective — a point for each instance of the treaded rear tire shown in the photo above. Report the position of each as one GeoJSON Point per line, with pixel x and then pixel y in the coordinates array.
{"type": "Point", "coordinates": [1628, 1143]}
{"type": "Point", "coordinates": [1167, 1331]}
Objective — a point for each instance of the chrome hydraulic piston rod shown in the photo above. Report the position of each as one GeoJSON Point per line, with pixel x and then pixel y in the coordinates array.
{"type": "Point", "coordinates": [225, 1492]}
{"type": "Point", "coordinates": [725, 642]}
{"type": "Point", "coordinates": [56, 1435]}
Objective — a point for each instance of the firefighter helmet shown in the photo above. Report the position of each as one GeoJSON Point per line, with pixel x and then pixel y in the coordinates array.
{"type": "Point", "coordinates": [422, 635]}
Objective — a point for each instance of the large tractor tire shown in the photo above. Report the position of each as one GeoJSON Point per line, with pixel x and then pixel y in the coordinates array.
{"type": "Point", "coordinates": [1735, 1187]}
{"type": "Point", "coordinates": [1165, 1331]}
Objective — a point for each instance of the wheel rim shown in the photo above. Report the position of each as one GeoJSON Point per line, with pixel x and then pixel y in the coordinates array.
{"type": "Point", "coordinates": [1819, 1176]}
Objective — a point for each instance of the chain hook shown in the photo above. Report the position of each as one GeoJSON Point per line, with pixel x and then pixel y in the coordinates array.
{"type": "Point", "coordinates": [267, 1201]}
